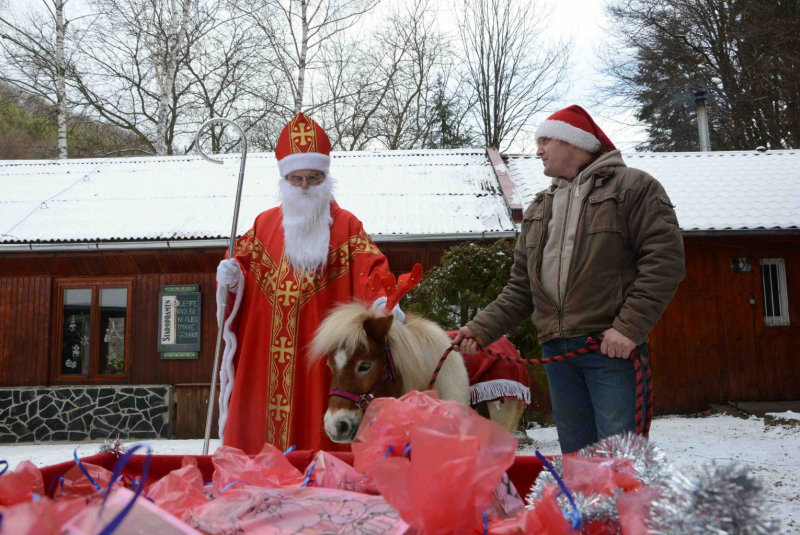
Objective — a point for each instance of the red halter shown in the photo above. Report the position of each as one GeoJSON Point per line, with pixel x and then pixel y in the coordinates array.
{"type": "Point", "coordinates": [362, 401]}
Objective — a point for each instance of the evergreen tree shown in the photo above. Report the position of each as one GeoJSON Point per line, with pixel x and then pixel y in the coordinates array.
{"type": "Point", "coordinates": [470, 277]}
{"type": "Point", "coordinates": [449, 130]}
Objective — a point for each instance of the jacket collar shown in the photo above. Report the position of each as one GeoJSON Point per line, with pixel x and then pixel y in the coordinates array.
{"type": "Point", "coordinates": [600, 169]}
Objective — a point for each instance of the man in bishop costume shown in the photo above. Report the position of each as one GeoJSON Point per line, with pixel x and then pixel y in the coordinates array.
{"type": "Point", "coordinates": [298, 261]}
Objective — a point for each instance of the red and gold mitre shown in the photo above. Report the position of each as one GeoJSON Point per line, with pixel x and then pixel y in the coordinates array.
{"type": "Point", "coordinates": [303, 144]}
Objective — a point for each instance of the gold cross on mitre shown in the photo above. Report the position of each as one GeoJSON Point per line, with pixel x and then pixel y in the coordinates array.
{"type": "Point", "coordinates": [302, 132]}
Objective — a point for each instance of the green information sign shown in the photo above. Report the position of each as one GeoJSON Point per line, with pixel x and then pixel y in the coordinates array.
{"type": "Point", "coordinates": [179, 321]}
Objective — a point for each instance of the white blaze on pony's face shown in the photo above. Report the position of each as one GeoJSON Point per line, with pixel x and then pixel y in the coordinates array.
{"type": "Point", "coordinates": [357, 370]}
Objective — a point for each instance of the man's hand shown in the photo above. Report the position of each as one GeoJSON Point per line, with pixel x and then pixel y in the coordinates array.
{"type": "Point", "coordinates": [465, 342]}
{"type": "Point", "coordinates": [616, 345]}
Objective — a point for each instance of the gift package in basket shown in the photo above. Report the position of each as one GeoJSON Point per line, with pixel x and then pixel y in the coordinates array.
{"type": "Point", "coordinates": [419, 466]}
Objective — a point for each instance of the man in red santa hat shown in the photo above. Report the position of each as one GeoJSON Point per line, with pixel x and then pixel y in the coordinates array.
{"type": "Point", "coordinates": [297, 262]}
{"type": "Point", "coordinates": [599, 253]}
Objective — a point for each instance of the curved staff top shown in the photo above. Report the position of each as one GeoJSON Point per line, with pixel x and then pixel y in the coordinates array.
{"type": "Point", "coordinates": [221, 318]}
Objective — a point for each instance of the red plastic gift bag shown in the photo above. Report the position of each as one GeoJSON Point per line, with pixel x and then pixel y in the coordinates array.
{"type": "Point", "coordinates": [42, 517]}
{"type": "Point", "coordinates": [387, 424]}
{"type": "Point", "coordinates": [21, 484]}
{"type": "Point", "coordinates": [270, 469]}
{"type": "Point", "coordinates": [599, 475]}
{"type": "Point", "coordinates": [75, 482]}
{"type": "Point", "coordinates": [457, 459]}
{"type": "Point", "coordinates": [179, 492]}
{"type": "Point", "coordinates": [634, 510]}
{"type": "Point", "coordinates": [330, 472]}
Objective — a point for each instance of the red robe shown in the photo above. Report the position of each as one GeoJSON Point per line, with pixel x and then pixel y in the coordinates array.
{"type": "Point", "coordinates": [276, 397]}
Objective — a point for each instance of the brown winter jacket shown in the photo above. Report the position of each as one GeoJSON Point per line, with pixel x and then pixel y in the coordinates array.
{"type": "Point", "coordinates": [626, 263]}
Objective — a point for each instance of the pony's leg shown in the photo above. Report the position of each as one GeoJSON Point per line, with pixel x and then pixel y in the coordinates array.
{"type": "Point", "coordinates": [509, 413]}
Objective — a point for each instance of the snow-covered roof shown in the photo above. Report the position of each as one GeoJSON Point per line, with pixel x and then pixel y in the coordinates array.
{"type": "Point", "coordinates": [396, 194]}
{"type": "Point", "coordinates": [711, 191]}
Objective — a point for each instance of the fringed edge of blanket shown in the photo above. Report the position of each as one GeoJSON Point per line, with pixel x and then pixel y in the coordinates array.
{"type": "Point", "coordinates": [499, 388]}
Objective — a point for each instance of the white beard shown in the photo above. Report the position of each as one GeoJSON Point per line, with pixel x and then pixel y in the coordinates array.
{"type": "Point", "coordinates": [307, 224]}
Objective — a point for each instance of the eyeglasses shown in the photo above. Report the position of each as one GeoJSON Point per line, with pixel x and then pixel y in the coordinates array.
{"type": "Point", "coordinates": [313, 180]}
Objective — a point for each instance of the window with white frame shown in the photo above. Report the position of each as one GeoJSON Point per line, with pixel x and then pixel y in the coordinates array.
{"type": "Point", "coordinates": [776, 298]}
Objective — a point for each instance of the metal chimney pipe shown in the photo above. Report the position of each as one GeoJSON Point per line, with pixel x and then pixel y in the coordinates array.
{"type": "Point", "coordinates": [702, 121]}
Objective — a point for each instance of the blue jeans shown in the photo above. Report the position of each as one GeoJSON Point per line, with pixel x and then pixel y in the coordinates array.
{"type": "Point", "coordinates": [593, 396]}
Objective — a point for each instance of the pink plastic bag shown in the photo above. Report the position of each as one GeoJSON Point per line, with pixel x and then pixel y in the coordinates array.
{"type": "Point", "coordinates": [179, 492]}
{"type": "Point", "coordinates": [457, 459]}
{"type": "Point", "coordinates": [145, 517]}
{"type": "Point", "coordinates": [599, 475]}
{"type": "Point", "coordinates": [329, 472]}
{"type": "Point", "coordinates": [42, 517]}
{"type": "Point", "coordinates": [270, 469]}
{"type": "Point", "coordinates": [546, 518]}
{"type": "Point", "coordinates": [76, 483]}
{"type": "Point", "coordinates": [506, 501]}
{"type": "Point", "coordinates": [634, 509]}
{"type": "Point", "coordinates": [21, 484]}
{"type": "Point", "coordinates": [309, 510]}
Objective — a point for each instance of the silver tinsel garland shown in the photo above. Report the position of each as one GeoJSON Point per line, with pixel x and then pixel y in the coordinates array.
{"type": "Point", "coordinates": [720, 500]}
{"type": "Point", "coordinates": [113, 445]}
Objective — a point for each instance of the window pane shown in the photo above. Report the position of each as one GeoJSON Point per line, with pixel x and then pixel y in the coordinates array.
{"type": "Point", "coordinates": [766, 281]}
{"type": "Point", "coordinates": [76, 331]}
{"type": "Point", "coordinates": [113, 316]}
{"type": "Point", "coordinates": [776, 293]}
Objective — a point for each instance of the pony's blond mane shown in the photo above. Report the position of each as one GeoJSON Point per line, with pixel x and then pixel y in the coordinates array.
{"type": "Point", "coordinates": [416, 345]}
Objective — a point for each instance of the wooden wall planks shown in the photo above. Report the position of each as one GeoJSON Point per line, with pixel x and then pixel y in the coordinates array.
{"type": "Point", "coordinates": [710, 346]}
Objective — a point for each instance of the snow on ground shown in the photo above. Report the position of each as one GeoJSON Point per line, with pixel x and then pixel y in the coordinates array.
{"type": "Point", "coordinates": [772, 453]}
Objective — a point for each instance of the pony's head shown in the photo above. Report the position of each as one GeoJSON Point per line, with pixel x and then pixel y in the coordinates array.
{"type": "Point", "coordinates": [355, 341]}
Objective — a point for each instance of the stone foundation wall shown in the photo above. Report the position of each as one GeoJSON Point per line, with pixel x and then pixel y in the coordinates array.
{"type": "Point", "coordinates": [79, 413]}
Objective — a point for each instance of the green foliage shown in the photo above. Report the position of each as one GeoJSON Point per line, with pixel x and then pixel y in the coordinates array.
{"type": "Point", "coordinates": [23, 135]}
{"type": "Point", "coordinates": [29, 130]}
{"type": "Point", "coordinates": [470, 277]}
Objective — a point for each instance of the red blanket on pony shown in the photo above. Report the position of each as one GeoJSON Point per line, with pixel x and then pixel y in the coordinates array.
{"type": "Point", "coordinates": [492, 379]}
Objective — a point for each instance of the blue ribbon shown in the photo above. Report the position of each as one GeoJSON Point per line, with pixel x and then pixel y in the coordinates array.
{"type": "Point", "coordinates": [485, 524]}
{"type": "Point", "coordinates": [5, 468]}
{"type": "Point", "coordinates": [308, 479]}
{"type": "Point", "coordinates": [388, 451]}
{"type": "Point", "coordinates": [407, 450]}
{"type": "Point", "coordinates": [229, 485]}
{"type": "Point", "coordinates": [115, 523]}
{"type": "Point", "coordinates": [85, 472]}
{"type": "Point", "coordinates": [53, 484]}
{"type": "Point", "coordinates": [290, 450]}
{"type": "Point", "coordinates": [574, 516]}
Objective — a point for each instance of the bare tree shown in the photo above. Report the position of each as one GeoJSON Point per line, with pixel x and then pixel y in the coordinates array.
{"type": "Point", "coordinates": [407, 112]}
{"type": "Point", "coordinates": [227, 80]}
{"type": "Point", "coordinates": [512, 70]}
{"type": "Point", "coordinates": [358, 78]}
{"type": "Point", "coordinates": [131, 71]}
{"type": "Point", "coordinates": [294, 31]}
{"type": "Point", "coordinates": [34, 58]}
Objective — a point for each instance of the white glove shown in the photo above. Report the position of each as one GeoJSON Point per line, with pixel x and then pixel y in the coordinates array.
{"type": "Point", "coordinates": [380, 304]}
{"type": "Point", "coordinates": [228, 272]}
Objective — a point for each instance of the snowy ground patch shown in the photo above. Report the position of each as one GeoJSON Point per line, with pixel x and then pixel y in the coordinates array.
{"type": "Point", "coordinates": [772, 453]}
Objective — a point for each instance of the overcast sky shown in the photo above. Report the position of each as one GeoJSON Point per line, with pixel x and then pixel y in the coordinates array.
{"type": "Point", "coordinates": [585, 20]}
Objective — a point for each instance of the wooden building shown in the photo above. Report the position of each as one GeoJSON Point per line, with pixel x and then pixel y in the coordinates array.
{"type": "Point", "coordinates": [88, 246]}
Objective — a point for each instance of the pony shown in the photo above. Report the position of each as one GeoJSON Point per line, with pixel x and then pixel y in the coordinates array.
{"type": "Point", "coordinates": [371, 354]}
